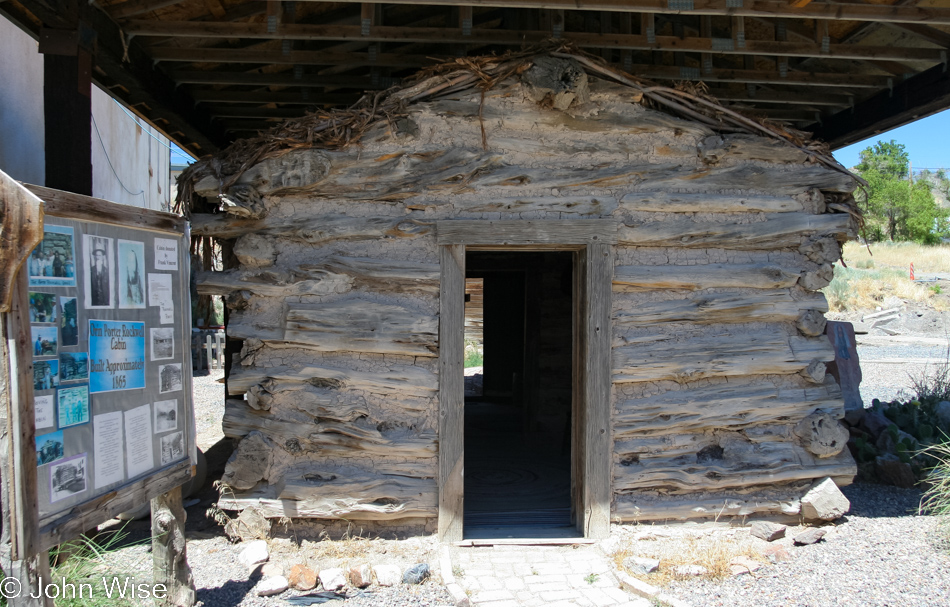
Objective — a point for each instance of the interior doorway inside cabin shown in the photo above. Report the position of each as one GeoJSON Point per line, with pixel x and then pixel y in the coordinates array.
{"type": "Point", "coordinates": [519, 316]}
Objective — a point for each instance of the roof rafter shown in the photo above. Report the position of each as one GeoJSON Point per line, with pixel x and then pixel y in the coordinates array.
{"type": "Point", "coordinates": [834, 11]}
{"type": "Point", "coordinates": [190, 29]}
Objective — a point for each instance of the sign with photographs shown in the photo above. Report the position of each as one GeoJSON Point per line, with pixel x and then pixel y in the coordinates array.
{"type": "Point", "coordinates": [110, 332]}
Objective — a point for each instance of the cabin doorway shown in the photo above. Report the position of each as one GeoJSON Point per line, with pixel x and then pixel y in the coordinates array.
{"type": "Point", "coordinates": [587, 244]}
{"type": "Point", "coordinates": [518, 422]}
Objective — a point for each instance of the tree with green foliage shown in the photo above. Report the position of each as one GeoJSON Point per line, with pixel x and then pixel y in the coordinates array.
{"type": "Point", "coordinates": [899, 208]}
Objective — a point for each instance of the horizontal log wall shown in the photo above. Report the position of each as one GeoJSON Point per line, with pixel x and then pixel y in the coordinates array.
{"type": "Point", "coordinates": [717, 351]}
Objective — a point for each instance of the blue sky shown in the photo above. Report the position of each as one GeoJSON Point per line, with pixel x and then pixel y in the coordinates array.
{"type": "Point", "coordinates": [923, 140]}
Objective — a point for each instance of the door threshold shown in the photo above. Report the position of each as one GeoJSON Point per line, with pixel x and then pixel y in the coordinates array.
{"type": "Point", "coordinates": [523, 536]}
{"type": "Point", "coordinates": [536, 541]}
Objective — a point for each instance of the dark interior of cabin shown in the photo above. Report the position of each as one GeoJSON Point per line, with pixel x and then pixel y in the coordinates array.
{"type": "Point", "coordinates": [519, 308]}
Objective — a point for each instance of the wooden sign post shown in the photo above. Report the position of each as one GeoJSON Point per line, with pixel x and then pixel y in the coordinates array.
{"type": "Point", "coordinates": [98, 411]}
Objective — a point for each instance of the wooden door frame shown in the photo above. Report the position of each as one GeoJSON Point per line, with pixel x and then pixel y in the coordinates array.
{"type": "Point", "coordinates": [591, 240]}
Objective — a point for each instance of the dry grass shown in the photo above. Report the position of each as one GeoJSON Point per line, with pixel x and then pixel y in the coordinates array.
{"type": "Point", "coordinates": [712, 551]}
{"type": "Point", "coordinates": [865, 289]}
{"type": "Point", "coordinates": [352, 549]}
{"type": "Point", "coordinates": [927, 259]}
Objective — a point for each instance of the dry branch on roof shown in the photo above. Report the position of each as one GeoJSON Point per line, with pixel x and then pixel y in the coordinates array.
{"type": "Point", "coordinates": [337, 128]}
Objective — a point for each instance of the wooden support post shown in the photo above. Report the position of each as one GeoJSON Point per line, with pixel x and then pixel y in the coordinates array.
{"type": "Point", "coordinates": [67, 102]}
{"type": "Point", "coordinates": [465, 24]}
{"type": "Point", "coordinates": [781, 35]}
{"type": "Point", "coordinates": [821, 35]}
{"type": "Point", "coordinates": [451, 391]}
{"type": "Point", "coordinates": [705, 31]}
{"type": "Point", "coordinates": [18, 452]}
{"type": "Point", "coordinates": [169, 552]}
{"type": "Point", "coordinates": [593, 428]}
{"type": "Point", "coordinates": [738, 31]}
{"type": "Point", "coordinates": [626, 27]}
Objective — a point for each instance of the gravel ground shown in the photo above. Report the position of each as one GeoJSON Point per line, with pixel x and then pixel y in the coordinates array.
{"type": "Point", "coordinates": [881, 554]}
{"type": "Point", "coordinates": [208, 393]}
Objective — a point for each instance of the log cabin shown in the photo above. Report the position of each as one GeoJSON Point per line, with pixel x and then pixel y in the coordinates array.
{"type": "Point", "coordinates": [648, 266]}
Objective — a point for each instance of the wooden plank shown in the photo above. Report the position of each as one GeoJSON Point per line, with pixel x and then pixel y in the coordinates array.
{"type": "Point", "coordinates": [331, 438]}
{"type": "Point", "coordinates": [430, 35]}
{"type": "Point", "coordinates": [637, 508]}
{"type": "Point", "coordinates": [521, 232]}
{"type": "Point", "coordinates": [910, 99]}
{"type": "Point", "coordinates": [62, 527]}
{"type": "Point", "coordinates": [20, 555]}
{"type": "Point", "coordinates": [358, 325]}
{"type": "Point", "coordinates": [67, 205]}
{"type": "Point", "coordinates": [744, 76]}
{"type": "Point", "coordinates": [597, 423]}
{"type": "Point", "coordinates": [658, 357]}
{"type": "Point", "coordinates": [667, 202]}
{"type": "Point", "coordinates": [733, 405]}
{"type": "Point", "coordinates": [451, 391]}
{"type": "Point", "coordinates": [410, 380]}
{"type": "Point", "coordinates": [137, 7]}
{"type": "Point", "coordinates": [752, 276]}
{"type": "Point", "coordinates": [385, 275]}
{"type": "Point", "coordinates": [21, 224]}
{"type": "Point", "coordinates": [312, 230]}
{"type": "Point", "coordinates": [336, 274]}
{"type": "Point", "coordinates": [22, 429]}
{"type": "Point", "coordinates": [741, 464]}
{"type": "Point", "coordinates": [170, 551]}
{"type": "Point", "coordinates": [772, 180]}
{"type": "Point", "coordinates": [883, 13]}
{"type": "Point", "coordinates": [252, 55]}
{"type": "Point", "coordinates": [578, 205]}
{"type": "Point", "coordinates": [781, 231]}
{"type": "Point", "coordinates": [722, 307]}
{"type": "Point", "coordinates": [272, 282]}
{"type": "Point", "coordinates": [579, 390]}
{"type": "Point", "coordinates": [342, 492]}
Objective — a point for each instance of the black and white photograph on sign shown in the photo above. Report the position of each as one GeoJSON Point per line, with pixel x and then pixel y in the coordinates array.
{"type": "Point", "coordinates": [166, 416]}
{"type": "Point", "coordinates": [166, 254]}
{"type": "Point", "coordinates": [45, 341]}
{"type": "Point", "coordinates": [99, 260]}
{"type": "Point", "coordinates": [163, 344]}
{"type": "Point", "coordinates": [169, 378]}
{"type": "Point", "coordinates": [173, 448]}
{"type": "Point", "coordinates": [44, 411]}
{"type": "Point", "coordinates": [42, 307]}
{"type": "Point", "coordinates": [45, 374]}
{"type": "Point", "coordinates": [49, 448]}
{"type": "Point", "coordinates": [73, 406]}
{"type": "Point", "coordinates": [73, 366]}
{"type": "Point", "coordinates": [67, 477]}
{"type": "Point", "coordinates": [131, 274]}
{"type": "Point", "coordinates": [53, 262]}
{"type": "Point", "coordinates": [69, 327]}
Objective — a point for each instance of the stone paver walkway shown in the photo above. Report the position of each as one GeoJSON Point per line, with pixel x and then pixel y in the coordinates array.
{"type": "Point", "coordinates": [530, 576]}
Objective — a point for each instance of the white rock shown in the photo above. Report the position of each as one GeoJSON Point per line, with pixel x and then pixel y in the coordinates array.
{"type": "Point", "coordinates": [824, 501]}
{"type": "Point", "coordinates": [611, 545]}
{"type": "Point", "coordinates": [387, 575]}
{"type": "Point", "coordinates": [254, 553]}
{"type": "Point", "coordinates": [689, 570]}
{"type": "Point", "coordinates": [271, 570]}
{"type": "Point", "coordinates": [332, 579]}
{"type": "Point", "coordinates": [272, 585]}
{"type": "Point", "coordinates": [638, 564]}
